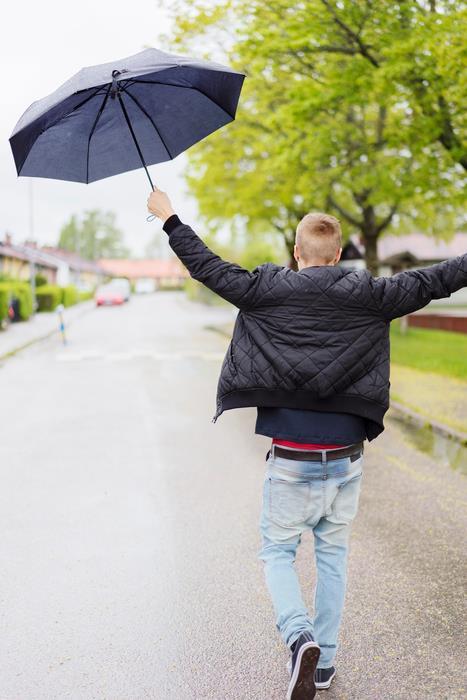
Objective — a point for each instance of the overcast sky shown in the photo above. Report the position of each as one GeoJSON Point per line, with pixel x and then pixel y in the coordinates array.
{"type": "Point", "coordinates": [42, 44]}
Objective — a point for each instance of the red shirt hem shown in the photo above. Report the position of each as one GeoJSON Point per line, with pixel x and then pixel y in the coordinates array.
{"type": "Point", "coordinates": [307, 445]}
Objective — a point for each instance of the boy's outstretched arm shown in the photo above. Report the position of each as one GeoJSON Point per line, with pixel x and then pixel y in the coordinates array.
{"type": "Point", "coordinates": [410, 290]}
{"type": "Point", "coordinates": [229, 280]}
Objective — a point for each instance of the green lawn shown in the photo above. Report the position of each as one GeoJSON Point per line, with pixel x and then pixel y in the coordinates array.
{"type": "Point", "coordinates": [442, 352]}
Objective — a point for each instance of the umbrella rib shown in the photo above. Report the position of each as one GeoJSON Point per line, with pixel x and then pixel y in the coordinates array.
{"type": "Point", "coordinates": [185, 87]}
{"type": "Point", "coordinates": [98, 116]}
{"type": "Point", "coordinates": [49, 126]}
{"type": "Point", "coordinates": [150, 119]}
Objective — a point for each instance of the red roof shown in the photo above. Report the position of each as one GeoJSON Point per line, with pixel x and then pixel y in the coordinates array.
{"type": "Point", "coordinates": [136, 269]}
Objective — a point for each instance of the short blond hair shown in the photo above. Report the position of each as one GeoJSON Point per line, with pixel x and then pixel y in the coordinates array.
{"type": "Point", "coordinates": [319, 237]}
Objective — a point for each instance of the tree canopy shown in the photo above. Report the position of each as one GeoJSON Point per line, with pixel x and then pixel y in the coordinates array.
{"type": "Point", "coordinates": [352, 107]}
{"type": "Point", "coordinates": [94, 236]}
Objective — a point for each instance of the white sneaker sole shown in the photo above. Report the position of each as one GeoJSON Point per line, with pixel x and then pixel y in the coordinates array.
{"type": "Point", "coordinates": [302, 684]}
{"type": "Point", "coordinates": [321, 686]}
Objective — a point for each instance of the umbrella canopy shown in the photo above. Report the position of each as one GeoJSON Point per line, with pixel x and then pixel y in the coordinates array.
{"type": "Point", "coordinates": [115, 117]}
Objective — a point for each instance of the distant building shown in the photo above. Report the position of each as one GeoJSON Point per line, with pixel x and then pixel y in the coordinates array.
{"type": "Point", "coordinates": [398, 253]}
{"type": "Point", "coordinates": [84, 274]}
{"type": "Point", "coordinates": [164, 272]}
{"type": "Point", "coordinates": [353, 254]}
{"type": "Point", "coordinates": [18, 261]}
{"type": "Point", "coordinates": [409, 252]}
{"type": "Point", "coordinates": [56, 265]}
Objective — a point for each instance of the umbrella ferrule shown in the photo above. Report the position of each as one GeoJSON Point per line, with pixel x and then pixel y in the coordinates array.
{"type": "Point", "coordinates": [115, 87]}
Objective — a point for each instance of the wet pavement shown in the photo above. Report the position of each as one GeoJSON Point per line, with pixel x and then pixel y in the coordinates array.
{"type": "Point", "coordinates": [130, 531]}
{"type": "Point", "coordinates": [445, 450]}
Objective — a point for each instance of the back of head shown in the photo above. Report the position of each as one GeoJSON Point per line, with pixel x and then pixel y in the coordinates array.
{"type": "Point", "coordinates": [319, 237]}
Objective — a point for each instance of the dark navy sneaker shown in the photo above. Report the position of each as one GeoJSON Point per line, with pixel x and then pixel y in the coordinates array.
{"type": "Point", "coordinates": [324, 676]}
{"type": "Point", "coordinates": [302, 666]}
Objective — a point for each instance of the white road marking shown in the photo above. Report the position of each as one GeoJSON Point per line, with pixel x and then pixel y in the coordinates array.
{"type": "Point", "coordinates": [136, 355]}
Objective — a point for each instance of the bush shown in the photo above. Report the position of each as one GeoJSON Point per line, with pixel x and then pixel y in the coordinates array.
{"type": "Point", "coordinates": [196, 291]}
{"type": "Point", "coordinates": [48, 296]}
{"type": "Point", "coordinates": [40, 280]}
{"type": "Point", "coordinates": [4, 300]}
{"type": "Point", "coordinates": [69, 295]}
{"type": "Point", "coordinates": [85, 295]}
{"type": "Point", "coordinates": [22, 291]}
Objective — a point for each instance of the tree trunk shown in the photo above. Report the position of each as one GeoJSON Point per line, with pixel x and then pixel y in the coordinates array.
{"type": "Point", "coordinates": [289, 240]}
{"type": "Point", "coordinates": [371, 253]}
{"type": "Point", "coordinates": [293, 263]}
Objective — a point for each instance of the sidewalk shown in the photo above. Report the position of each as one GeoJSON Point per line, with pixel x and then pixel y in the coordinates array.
{"type": "Point", "coordinates": [40, 326]}
{"type": "Point", "coordinates": [434, 399]}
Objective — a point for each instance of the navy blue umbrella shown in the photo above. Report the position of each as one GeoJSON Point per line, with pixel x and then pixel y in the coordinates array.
{"type": "Point", "coordinates": [119, 116]}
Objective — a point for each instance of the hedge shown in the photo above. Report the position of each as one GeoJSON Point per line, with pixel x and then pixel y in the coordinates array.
{"type": "Point", "coordinates": [48, 296]}
{"type": "Point", "coordinates": [4, 298]}
{"type": "Point", "coordinates": [69, 295]}
{"type": "Point", "coordinates": [22, 291]}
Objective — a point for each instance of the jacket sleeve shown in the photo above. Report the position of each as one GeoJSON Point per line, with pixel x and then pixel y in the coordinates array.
{"type": "Point", "coordinates": [229, 280]}
{"type": "Point", "coordinates": [411, 290]}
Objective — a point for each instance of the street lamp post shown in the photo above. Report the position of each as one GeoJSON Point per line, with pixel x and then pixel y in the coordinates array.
{"type": "Point", "coordinates": [32, 262]}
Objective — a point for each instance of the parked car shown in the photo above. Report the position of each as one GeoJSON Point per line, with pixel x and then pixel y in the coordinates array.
{"type": "Point", "coordinates": [145, 285]}
{"type": "Point", "coordinates": [109, 294]}
{"type": "Point", "coordinates": [123, 285]}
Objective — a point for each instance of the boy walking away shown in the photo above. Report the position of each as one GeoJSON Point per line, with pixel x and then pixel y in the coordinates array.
{"type": "Point", "coordinates": [310, 350]}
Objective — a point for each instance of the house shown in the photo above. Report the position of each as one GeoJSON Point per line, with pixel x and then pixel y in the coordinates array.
{"type": "Point", "coordinates": [83, 274]}
{"type": "Point", "coordinates": [353, 254]}
{"type": "Point", "coordinates": [23, 261]}
{"type": "Point", "coordinates": [56, 265]}
{"type": "Point", "coordinates": [164, 272]}
{"type": "Point", "coordinates": [409, 252]}
{"type": "Point", "coordinates": [398, 253]}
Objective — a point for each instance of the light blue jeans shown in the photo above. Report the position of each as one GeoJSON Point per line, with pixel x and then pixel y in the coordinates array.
{"type": "Point", "coordinates": [321, 497]}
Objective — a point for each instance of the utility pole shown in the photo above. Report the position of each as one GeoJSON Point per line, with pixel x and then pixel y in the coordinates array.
{"type": "Point", "coordinates": [32, 263]}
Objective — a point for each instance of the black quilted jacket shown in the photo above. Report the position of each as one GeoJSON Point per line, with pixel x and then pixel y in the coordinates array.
{"type": "Point", "coordinates": [317, 338]}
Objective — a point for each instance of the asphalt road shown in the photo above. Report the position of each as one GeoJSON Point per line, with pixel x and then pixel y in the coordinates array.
{"type": "Point", "coordinates": [129, 531]}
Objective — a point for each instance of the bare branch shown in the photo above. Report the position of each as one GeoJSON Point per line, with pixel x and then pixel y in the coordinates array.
{"type": "Point", "coordinates": [345, 214]}
{"type": "Point", "coordinates": [364, 50]}
{"type": "Point", "coordinates": [352, 51]}
{"type": "Point", "coordinates": [380, 124]}
{"type": "Point", "coordinates": [387, 219]}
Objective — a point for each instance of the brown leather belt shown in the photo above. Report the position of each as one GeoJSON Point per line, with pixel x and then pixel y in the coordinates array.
{"type": "Point", "coordinates": [317, 455]}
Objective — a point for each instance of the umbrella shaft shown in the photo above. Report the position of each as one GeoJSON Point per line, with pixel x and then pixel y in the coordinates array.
{"type": "Point", "coordinates": [125, 113]}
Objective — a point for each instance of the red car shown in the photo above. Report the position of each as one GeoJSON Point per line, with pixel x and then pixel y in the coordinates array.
{"type": "Point", "coordinates": [109, 294]}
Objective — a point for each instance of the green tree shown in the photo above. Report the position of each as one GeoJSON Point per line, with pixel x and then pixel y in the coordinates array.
{"type": "Point", "coordinates": [351, 107]}
{"type": "Point", "coordinates": [95, 236]}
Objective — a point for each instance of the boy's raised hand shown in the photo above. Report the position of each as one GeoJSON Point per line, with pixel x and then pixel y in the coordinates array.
{"type": "Point", "coordinates": [159, 204]}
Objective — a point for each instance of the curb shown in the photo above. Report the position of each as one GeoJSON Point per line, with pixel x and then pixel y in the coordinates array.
{"type": "Point", "coordinates": [408, 413]}
{"type": "Point", "coordinates": [421, 421]}
{"type": "Point", "coordinates": [39, 338]}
